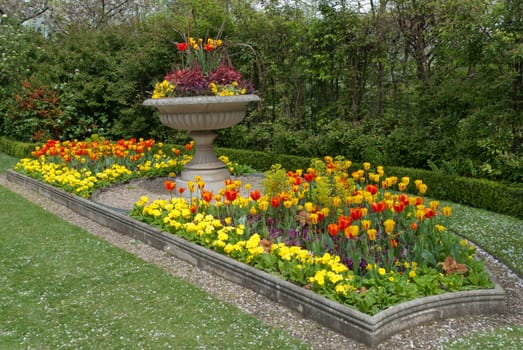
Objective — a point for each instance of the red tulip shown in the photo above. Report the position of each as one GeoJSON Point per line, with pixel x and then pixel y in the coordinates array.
{"type": "Point", "coordinates": [308, 177]}
{"type": "Point", "coordinates": [373, 189]}
{"type": "Point", "coordinates": [398, 207]}
{"type": "Point", "coordinates": [429, 213]}
{"type": "Point", "coordinates": [230, 195]}
{"type": "Point", "coordinates": [255, 195]}
{"type": "Point", "coordinates": [181, 46]}
{"type": "Point", "coordinates": [355, 213]}
{"type": "Point", "coordinates": [379, 207]}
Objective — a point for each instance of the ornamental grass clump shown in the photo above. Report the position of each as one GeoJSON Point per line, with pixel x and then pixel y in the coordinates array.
{"type": "Point", "coordinates": [202, 69]}
{"type": "Point", "coordinates": [81, 167]}
{"type": "Point", "coordinates": [354, 236]}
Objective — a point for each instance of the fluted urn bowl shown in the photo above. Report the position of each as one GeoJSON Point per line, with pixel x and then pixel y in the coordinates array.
{"type": "Point", "coordinates": [201, 112]}
{"type": "Point", "coordinates": [201, 116]}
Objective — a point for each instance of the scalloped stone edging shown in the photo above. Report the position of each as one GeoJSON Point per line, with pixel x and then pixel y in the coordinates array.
{"type": "Point", "coordinates": [369, 330]}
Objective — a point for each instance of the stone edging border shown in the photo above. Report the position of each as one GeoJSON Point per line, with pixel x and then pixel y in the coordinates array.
{"type": "Point", "coordinates": [369, 330]}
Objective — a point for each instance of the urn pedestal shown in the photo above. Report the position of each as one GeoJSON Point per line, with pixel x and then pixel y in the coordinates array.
{"type": "Point", "coordinates": [201, 116]}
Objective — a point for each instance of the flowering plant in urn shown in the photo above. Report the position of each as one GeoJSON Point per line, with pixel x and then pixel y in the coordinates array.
{"type": "Point", "coordinates": [205, 70]}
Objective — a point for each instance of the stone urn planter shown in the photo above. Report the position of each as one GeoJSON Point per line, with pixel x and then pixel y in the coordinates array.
{"type": "Point", "coordinates": [202, 116]}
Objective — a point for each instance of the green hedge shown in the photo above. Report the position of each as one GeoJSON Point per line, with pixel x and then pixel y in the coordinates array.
{"type": "Point", "coordinates": [263, 161]}
{"type": "Point", "coordinates": [15, 149]}
{"type": "Point", "coordinates": [478, 193]}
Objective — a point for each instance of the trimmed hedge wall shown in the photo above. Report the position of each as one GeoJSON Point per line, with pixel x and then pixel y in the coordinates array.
{"type": "Point", "coordinates": [263, 161]}
{"type": "Point", "coordinates": [478, 193]}
{"type": "Point", "coordinates": [16, 149]}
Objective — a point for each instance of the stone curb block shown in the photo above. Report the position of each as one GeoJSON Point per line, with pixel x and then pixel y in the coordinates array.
{"type": "Point", "coordinates": [369, 330]}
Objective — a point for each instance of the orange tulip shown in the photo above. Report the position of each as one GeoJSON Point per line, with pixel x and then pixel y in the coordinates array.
{"type": "Point", "coordinates": [207, 196]}
{"type": "Point", "coordinates": [393, 243]}
{"type": "Point", "coordinates": [169, 185]}
{"type": "Point", "coordinates": [344, 222]}
{"type": "Point", "coordinates": [332, 229]}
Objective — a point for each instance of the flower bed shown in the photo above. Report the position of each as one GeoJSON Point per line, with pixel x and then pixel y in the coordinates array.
{"type": "Point", "coordinates": [81, 167]}
{"type": "Point", "coordinates": [352, 236]}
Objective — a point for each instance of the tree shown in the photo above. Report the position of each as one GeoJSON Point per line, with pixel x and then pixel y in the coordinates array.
{"type": "Point", "coordinates": [58, 15]}
{"type": "Point", "coordinates": [23, 11]}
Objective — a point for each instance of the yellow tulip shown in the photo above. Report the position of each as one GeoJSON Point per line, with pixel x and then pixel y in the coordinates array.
{"type": "Point", "coordinates": [389, 226]}
{"type": "Point", "coordinates": [371, 233]}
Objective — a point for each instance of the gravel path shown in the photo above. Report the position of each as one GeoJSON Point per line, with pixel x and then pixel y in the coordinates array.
{"type": "Point", "coordinates": [429, 336]}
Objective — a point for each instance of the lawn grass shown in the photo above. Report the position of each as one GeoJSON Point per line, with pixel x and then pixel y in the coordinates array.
{"type": "Point", "coordinates": [61, 287]}
{"type": "Point", "coordinates": [504, 338]}
{"type": "Point", "coordinates": [498, 234]}
{"type": "Point", "coordinates": [6, 162]}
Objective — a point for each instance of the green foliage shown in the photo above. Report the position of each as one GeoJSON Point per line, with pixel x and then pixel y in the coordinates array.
{"type": "Point", "coordinates": [36, 114]}
{"type": "Point", "coordinates": [371, 86]}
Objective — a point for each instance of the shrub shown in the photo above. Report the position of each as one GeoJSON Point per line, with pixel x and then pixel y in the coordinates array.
{"type": "Point", "coordinates": [38, 112]}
